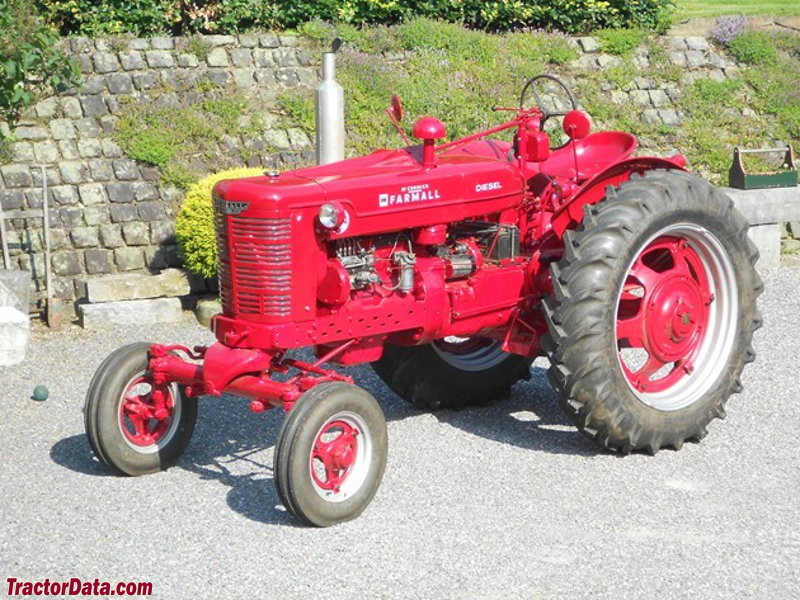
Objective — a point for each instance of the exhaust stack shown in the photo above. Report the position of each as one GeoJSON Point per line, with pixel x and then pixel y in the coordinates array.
{"type": "Point", "coordinates": [330, 111]}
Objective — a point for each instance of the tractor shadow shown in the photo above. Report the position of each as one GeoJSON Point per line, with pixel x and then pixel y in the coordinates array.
{"type": "Point", "coordinates": [75, 454]}
{"type": "Point", "coordinates": [235, 447]}
{"type": "Point", "coordinates": [529, 418]}
{"type": "Point", "coordinates": [229, 445]}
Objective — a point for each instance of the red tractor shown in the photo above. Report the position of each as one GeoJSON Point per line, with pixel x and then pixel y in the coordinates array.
{"type": "Point", "coordinates": [450, 267]}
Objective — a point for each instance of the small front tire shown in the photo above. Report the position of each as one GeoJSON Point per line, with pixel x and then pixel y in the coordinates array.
{"type": "Point", "coordinates": [123, 431]}
{"type": "Point", "coordinates": [330, 454]}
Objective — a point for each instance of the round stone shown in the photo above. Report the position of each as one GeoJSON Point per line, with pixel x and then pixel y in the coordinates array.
{"type": "Point", "coordinates": [40, 393]}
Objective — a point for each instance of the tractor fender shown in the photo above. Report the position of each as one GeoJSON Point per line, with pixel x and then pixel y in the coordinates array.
{"type": "Point", "coordinates": [594, 189]}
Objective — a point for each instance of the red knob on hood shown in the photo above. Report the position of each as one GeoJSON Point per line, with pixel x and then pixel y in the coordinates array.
{"type": "Point", "coordinates": [429, 128]}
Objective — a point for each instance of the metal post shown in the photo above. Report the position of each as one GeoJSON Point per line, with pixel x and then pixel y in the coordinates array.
{"type": "Point", "coordinates": [48, 283]}
{"type": "Point", "coordinates": [330, 111]}
{"type": "Point", "coordinates": [6, 258]}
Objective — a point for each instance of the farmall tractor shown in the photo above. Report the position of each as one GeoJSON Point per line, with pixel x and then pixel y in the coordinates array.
{"type": "Point", "coordinates": [449, 267]}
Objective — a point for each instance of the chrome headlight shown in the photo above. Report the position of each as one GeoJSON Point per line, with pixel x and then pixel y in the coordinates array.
{"type": "Point", "coordinates": [331, 215]}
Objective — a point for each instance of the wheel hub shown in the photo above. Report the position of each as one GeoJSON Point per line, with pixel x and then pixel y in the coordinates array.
{"type": "Point", "coordinates": [673, 315]}
{"type": "Point", "coordinates": [146, 413]}
{"type": "Point", "coordinates": [344, 455]}
{"type": "Point", "coordinates": [335, 452]}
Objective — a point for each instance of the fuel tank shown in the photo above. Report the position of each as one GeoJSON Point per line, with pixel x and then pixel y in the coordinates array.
{"type": "Point", "coordinates": [387, 190]}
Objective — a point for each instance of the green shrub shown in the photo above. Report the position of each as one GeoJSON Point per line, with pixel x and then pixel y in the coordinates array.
{"type": "Point", "coordinates": [703, 94]}
{"type": "Point", "coordinates": [754, 47]}
{"type": "Point", "coordinates": [6, 151]}
{"type": "Point", "coordinates": [619, 41]}
{"type": "Point", "coordinates": [622, 74]}
{"type": "Point", "coordinates": [425, 34]}
{"type": "Point", "coordinates": [89, 17]}
{"type": "Point", "coordinates": [317, 29]}
{"type": "Point", "coordinates": [198, 46]}
{"type": "Point", "coordinates": [151, 146]}
{"type": "Point", "coordinates": [143, 17]}
{"type": "Point", "coordinates": [194, 224]}
{"type": "Point", "coordinates": [299, 108]}
{"type": "Point", "coordinates": [777, 93]}
{"type": "Point", "coordinates": [30, 61]}
{"type": "Point", "coordinates": [556, 50]}
{"type": "Point", "coordinates": [788, 42]}
{"type": "Point", "coordinates": [157, 134]}
{"type": "Point", "coordinates": [228, 109]}
{"type": "Point", "coordinates": [178, 175]}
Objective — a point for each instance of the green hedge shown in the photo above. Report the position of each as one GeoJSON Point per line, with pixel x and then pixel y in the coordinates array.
{"type": "Point", "coordinates": [143, 17]}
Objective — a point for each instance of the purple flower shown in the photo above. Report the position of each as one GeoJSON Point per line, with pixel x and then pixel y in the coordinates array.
{"type": "Point", "coordinates": [726, 29]}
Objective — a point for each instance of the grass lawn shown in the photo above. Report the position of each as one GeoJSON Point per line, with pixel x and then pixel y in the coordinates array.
{"type": "Point", "coordinates": [688, 9]}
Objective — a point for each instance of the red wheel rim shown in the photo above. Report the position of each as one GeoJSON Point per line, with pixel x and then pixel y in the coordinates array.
{"type": "Point", "coordinates": [340, 457]}
{"type": "Point", "coordinates": [335, 451]}
{"type": "Point", "coordinates": [676, 315]}
{"type": "Point", "coordinates": [144, 427]}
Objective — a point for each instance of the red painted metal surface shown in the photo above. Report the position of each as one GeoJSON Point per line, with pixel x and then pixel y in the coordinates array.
{"type": "Point", "coordinates": [576, 124]}
{"type": "Point", "coordinates": [428, 242]}
{"type": "Point", "coordinates": [144, 421]}
{"type": "Point", "coordinates": [664, 311]}
{"type": "Point", "coordinates": [334, 454]}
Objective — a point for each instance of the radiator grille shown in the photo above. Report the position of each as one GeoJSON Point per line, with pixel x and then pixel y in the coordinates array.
{"type": "Point", "coordinates": [255, 274]}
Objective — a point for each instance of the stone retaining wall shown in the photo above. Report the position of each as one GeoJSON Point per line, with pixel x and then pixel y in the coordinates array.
{"type": "Point", "coordinates": [112, 215]}
{"type": "Point", "coordinates": [657, 102]}
{"type": "Point", "coordinates": [108, 213]}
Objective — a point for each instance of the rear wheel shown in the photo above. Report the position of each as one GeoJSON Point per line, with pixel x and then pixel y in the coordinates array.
{"type": "Point", "coordinates": [653, 312]}
{"type": "Point", "coordinates": [330, 454]}
{"type": "Point", "coordinates": [126, 428]}
{"type": "Point", "coordinates": [453, 372]}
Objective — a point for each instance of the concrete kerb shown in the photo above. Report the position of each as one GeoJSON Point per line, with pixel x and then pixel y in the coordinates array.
{"type": "Point", "coordinates": [766, 210]}
{"type": "Point", "coordinates": [130, 312]}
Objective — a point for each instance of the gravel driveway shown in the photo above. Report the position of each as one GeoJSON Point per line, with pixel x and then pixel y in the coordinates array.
{"type": "Point", "coordinates": [501, 502]}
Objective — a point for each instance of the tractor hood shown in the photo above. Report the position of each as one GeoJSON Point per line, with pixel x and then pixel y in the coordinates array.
{"type": "Point", "coordinates": [473, 181]}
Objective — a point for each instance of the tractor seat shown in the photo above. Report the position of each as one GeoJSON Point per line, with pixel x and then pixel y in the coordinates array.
{"type": "Point", "coordinates": [595, 152]}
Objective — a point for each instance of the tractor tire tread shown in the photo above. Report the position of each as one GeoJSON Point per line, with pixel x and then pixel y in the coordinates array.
{"type": "Point", "coordinates": [574, 312]}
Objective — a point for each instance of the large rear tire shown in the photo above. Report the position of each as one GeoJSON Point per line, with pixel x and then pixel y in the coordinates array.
{"type": "Point", "coordinates": [653, 312]}
{"type": "Point", "coordinates": [451, 373]}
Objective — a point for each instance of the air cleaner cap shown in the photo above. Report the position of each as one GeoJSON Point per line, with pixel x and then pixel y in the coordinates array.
{"type": "Point", "coordinates": [429, 128]}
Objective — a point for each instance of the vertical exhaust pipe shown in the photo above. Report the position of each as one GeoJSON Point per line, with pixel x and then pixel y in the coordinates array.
{"type": "Point", "coordinates": [330, 111]}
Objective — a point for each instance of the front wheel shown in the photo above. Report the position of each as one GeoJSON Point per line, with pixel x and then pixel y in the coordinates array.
{"type": "Point", "coordinates": [128, 429]}
{"type": "Point", "coordinates": [330, 454]}
{"type": "Point", "coordinates": [653, 312]}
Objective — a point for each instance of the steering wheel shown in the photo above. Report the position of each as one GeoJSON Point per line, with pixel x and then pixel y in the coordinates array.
{"type": "Point", "coordinates": [545, 113]}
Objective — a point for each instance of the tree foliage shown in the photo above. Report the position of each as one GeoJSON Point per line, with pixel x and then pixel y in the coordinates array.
{"type": "Point", "coordinates": [30, 61]}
